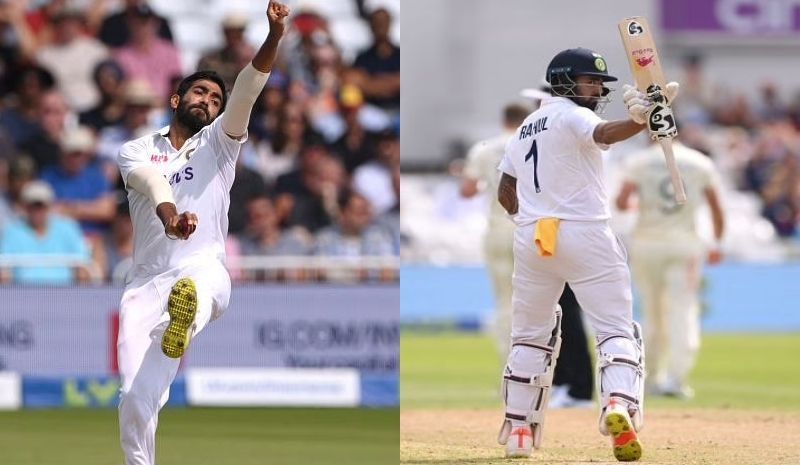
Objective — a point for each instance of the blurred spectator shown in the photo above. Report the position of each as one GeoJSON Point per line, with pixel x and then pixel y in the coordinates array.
{"type": "Point", "coordinates": [357, 145]}
{"type": "Point", "coordinates": [247, 185]}
{"type": "Point", "coordinates": [17, 44]}
{"type": "Point", "coordinates": [43, 233]}
{"type": "Point", "coordinates": [310, 31]}
{"type": "Point", "coordinates": [354, 234]}
{"type": "Point", "coordinates": [44, 147]}
{"type": "Point", "coordinates": [379, 180]}
{"type": "Point", "coordinates": [377, 69]}
{"type": "Point", "coordinates": [292, 135]}
{"type": "Point", "coordinates": [770, 108]}
{"type": "Point", "coordinates": [695, 104]}
{"type": "Point", "coordinates": [305, 195]}
{"type": "Point", "coordinates": [40, 20]}
{"type": "Point", "coordinates": [109, 80]}
{"type": "Point", "coordinates": [118, 246]}
{"type": "Point", "coordinates": [139, 101]}
{"type": "Point", "coordinates": [264, 236]}
{"type": "Point", "coordinates": [234, 55]}
{"type": "Point", "coordinates": [21, 118]}
{"type": "Point", "coordinates": [72, 57]}
{"type": "Point", "coordinates": [82, 190]}
{"type": "Point", "coordinates": [781, 196]}
{"type": "Point", "coordinates": [115, 31]}
{"type": "Point", "coordinates": [146, 56]}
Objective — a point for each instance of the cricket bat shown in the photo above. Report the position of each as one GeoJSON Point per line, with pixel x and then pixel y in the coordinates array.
{"type": "Point", "coordinates": [646, 69]}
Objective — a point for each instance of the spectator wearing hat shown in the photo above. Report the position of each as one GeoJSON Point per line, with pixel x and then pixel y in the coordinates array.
{"type": "Point", "coordinates": [45, 145]}
{"type": "Point", "coordinates": [376, 70]}
{"type": "Point", "coordinates": [139, 103]}
{"type": "Point", "coordinates": [115, 30]}
{"type": "Point", "coordinates": [357, 145]}
{"type": "Point", "coordinates": [110, 82]}
{"type": "Point", "coordinates": [147, 56]}
{"type": "Point", "coordinates": [71, 57]}
{"type": "Point", "coordinates": [234, 54]}
{"type": "Point", "coordinates": [41, 232]}
{"type": "Point", "coordinates": [82, 190]}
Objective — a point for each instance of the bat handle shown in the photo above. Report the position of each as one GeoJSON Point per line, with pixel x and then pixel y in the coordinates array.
{"type": "Point", "coordinates": [677, 182]}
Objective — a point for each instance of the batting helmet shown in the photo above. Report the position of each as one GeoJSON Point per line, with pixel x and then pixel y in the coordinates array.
{"type": "Point", "coordinates": [577, 62]}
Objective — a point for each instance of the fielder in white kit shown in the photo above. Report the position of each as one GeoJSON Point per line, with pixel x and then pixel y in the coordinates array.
{"type": "Point", "coordinates": [552, 181]}
{"type": "Point", "coordinates": [179, 283]}
{"type": "Point", "coordinates": [667, 257]}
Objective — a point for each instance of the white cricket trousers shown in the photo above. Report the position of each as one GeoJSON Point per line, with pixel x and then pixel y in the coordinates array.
{"type": "Point", "coordinates": [145, 372]}
{"type": "Point", "coordinates": [590, 257]}
{"type": "Point", "coordinates": [667, 275]}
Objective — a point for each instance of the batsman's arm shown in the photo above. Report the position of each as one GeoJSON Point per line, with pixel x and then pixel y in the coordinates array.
{"type": "Point", "coordinates": [611, 132]}
{"type": "Point", "coordinates": [507, 193]}
{"type": "Point", "coordinates": [253, 77]}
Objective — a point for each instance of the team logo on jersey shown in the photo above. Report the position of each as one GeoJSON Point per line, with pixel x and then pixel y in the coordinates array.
{"type": "Point", "coordinates": [634, 28]}
{"type": "Point", "coordinates": [600, 64]}
{"type": "Point", "coordinates": [645, 61]}
{"type": "Point", "coordinates": [159, 158]}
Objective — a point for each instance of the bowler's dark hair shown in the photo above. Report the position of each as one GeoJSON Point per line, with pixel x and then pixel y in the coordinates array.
{"type": "Point", "coordinates": [209, 75]}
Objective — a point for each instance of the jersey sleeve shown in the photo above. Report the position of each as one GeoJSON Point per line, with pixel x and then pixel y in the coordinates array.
{"type": "Point", "coordinates": [506, 164]}
{"type": "Point", "coordinates": [132, 155]}
{"type": "Point", "coordinates": [225, 147]}
{"type": "Point", "coordinates": [582, 123]}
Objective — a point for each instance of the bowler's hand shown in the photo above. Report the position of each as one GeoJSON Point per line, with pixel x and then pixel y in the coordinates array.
{"type": "Point", "coordinates": [180, 226]}
{"type": "Point", "coordinates": [276, 15]}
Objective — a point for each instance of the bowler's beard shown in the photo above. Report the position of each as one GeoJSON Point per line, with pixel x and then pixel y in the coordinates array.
{"type": "Point", "coordinates": [192, 120]}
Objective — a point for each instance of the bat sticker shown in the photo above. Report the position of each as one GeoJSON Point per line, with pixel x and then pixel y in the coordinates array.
{"type": "Point", "coordinates": [634, 28]}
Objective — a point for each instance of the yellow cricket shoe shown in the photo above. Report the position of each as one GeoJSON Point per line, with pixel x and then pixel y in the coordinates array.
{"type": "Point", "coordinates": [624, 440]}
{"type": "Point", "coordinates": [182, 308]}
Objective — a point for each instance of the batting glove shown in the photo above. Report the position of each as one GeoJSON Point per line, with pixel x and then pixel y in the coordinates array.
{"type": "Point", "coordinates": [671, 91]}
{"type": "Point", "coordinates": [637, 103]}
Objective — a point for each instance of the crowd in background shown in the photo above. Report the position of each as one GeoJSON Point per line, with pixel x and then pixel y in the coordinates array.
{"type": "Point", "coordinates": [756, 143]}
{"type": "Point", "coordinates": [318, 176]}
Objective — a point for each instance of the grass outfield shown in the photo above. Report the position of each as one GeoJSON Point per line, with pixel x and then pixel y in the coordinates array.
{"type": "Point", "coordinates": [461, 370]}
{"type": "Point", "coordinates": [747, 409]}
{"type": "Point", "coordinates": [200, 436]}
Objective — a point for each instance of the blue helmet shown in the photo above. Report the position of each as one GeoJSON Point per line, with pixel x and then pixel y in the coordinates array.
{"type": "Point", "coordinates": [577, 62]}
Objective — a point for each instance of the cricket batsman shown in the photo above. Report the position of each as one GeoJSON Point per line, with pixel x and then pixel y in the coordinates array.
{"type": "Point", "coordinates": [552, 182]}
{"type": "Point", "coordinates": [178, 181]}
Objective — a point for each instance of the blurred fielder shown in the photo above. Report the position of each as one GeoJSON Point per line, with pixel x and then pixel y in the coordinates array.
{"type": "Point", "coordinates": [480, 172]}
{"type": "Point", "coordinates": [179, 283]}
{"type": "Point", "coordinates": [552, 181]}
{"type": "Point", "coordinates": [666, 259]}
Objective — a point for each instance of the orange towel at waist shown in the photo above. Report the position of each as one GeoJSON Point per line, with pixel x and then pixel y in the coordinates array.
{"type": "Point", "coordinates": [546, 236]}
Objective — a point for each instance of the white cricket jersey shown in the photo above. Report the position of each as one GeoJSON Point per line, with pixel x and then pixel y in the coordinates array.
{"type": "Point", "coordinates": [201, 175]}
{"type": "Point", "coordinates": [557, 164]}
{"type": "Point", "coordinates": [659, 215]}
{"type": "Point", "coordinates": [481, 164]}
